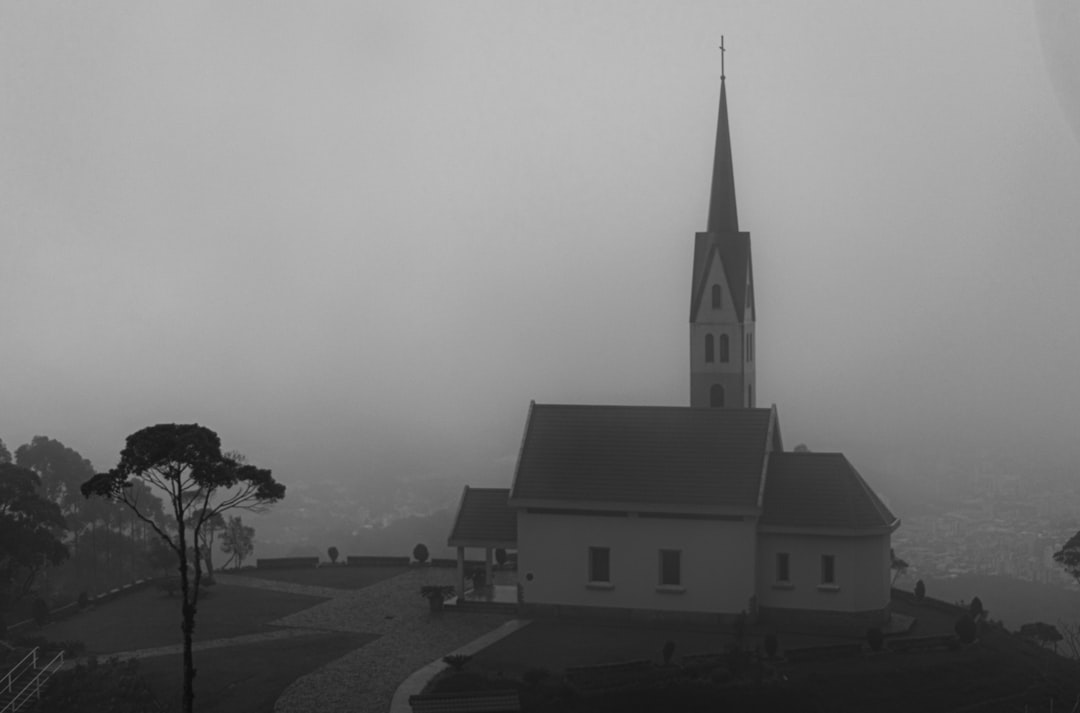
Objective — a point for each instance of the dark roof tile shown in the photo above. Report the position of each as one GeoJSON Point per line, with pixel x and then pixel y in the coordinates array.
{"type": "Point", "coordinates": [820, 490]}
{"type": "Point", "coordinates": [659, 456]}
{"type": "Point", "coordinates": [484, 517]}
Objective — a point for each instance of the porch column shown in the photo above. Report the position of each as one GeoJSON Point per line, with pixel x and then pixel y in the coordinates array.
{"type": "Point", "coordinates": [487, 568]}
{"type": "Point", "coordinates": [461, 574]}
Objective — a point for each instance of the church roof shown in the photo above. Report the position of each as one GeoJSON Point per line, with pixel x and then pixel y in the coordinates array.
{"type": "Point", "coordinates": [484, 519]}
{"type": "Point", "coordinates": [820, 491]}
{"type": "Point", "coordinates": [653, 456]}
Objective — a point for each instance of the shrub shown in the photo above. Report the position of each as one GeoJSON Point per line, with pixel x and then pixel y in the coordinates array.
{"type": "Point", "coordinates": [965, 629]}
{"type": "Point", "coordinates": [920, 590]}
{"type": "Point", "coordinates": [668, 651]}
{"type": "Point", "coordinates": [976, 607]}
{"type": "Point", "coordinates": [771, 645]}
{"type": "Point", "coordinates": [535, 676]}
{"type": "Point", "coordinates": [420, 553]}
{"type": "Point", "coordinates": [332, 553]}
{"type": "Point", "coordinates": [501, 556]}
{"type": "Point", "coordinates": [875, 638]}
{"type": "Point", "coordinates": [457, 661]}
{"type": "Point", "coordinates": [40, 612]}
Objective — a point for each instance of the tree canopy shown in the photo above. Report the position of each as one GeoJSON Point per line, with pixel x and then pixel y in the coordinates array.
{"type": "Point", "coordinates": [1069, 556]}
{"type": "Point", "coordinates": [30, 530]}
{"type": "Point", "coordinates": [199, 483]}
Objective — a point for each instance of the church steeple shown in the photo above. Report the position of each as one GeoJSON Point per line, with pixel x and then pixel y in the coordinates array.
{"type": "Point", "coordinates": [723, 215]}
{"type": "Point", "coordinates": [722, 313]}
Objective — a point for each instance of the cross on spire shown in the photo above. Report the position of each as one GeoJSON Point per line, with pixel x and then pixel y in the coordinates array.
{"type": "Point", "coordinates": [722, 51]}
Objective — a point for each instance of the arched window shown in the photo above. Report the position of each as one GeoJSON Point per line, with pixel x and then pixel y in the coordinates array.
{"type": "Point", "coordinates": [724, 349]}
{"type": "Point", "coordinates": [716, 396]}
{"type": "Point", "coordinates": [717, 296]}
{"type": "Point", "coordinates": [709, 349]}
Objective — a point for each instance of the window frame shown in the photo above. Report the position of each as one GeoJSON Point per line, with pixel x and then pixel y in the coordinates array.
{"type": "Point", "coordinates": [710, 349]}
{"type": "Point", "coordinates": [782, 568]}
{"type": "Point", "coordinates": [828, 573]}
{"type": "Point", "coordinates": [591, 572]}
{"type": "Point", "coordinates": [660, 579]}
{"type": "Point", "coordinates": [725, 349]}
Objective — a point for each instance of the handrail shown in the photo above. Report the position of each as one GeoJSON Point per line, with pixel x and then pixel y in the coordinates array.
{"type": "Point", "coordinates": [11, 675]}
{"type": "Point", "coordinates": [24, 695]}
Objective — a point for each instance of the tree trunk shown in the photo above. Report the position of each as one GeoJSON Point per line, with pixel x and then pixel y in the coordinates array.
{"type": "Point", "coordinates": [187, 625]}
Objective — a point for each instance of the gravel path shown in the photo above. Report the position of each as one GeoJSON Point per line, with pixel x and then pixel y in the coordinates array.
{"type": "Point", "coordinates": [411, 636]}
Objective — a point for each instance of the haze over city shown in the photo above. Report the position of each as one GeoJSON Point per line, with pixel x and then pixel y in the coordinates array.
{"type": "Point", "coordinates": [358, 239]}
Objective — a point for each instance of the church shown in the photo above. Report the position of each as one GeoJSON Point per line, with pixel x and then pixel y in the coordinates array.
{"type": "Point", "coordinates": [691, 513]}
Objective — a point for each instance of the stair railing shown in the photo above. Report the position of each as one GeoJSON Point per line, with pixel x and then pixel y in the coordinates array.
{"type": "Point", "coordinates": [28, 661]}
{"type": "Point", "coordinates": [32, 689]}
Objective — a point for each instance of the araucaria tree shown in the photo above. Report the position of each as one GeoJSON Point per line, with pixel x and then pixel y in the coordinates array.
{"type": "Point", "coordinates": [199, 482]}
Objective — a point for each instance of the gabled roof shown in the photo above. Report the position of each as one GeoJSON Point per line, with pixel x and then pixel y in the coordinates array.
{"type": "Point", "coordinates": [820, 491]}
{"type": "Point", "coordinates": [484, 519]}
{"type": "Point", "coordinates": [650, 456]}
{"type": "Point", "coordinates": [733, 251]}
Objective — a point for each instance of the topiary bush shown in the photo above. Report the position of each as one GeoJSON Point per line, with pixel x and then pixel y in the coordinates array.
{"type": "Point", "coordinates": [965, 629]}
{"type": "Point", "coordinates": [420, 553]}
{"type": "Point", "coordinates": [501, 557]}
{"type": "Point", "coordinates": [920, 590]}
{"type": "Point", "coordinates": [772, 644]}
{"type": "Point", "coordinates": [875, 638]}
{"type": "Point", "coordinates": [976, 608]}
{"type": "Point", "coordinates": [668, 651]}
{"type": "Point", "coordinates": [332, 553]}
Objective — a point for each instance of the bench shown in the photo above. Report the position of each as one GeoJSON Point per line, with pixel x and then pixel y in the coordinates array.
{"type": "Point", "coordinates": [286, 562]}
{"type": "Point", "coordinates": [823, 653]}
{"type": "Point", "coordinates": [923, 643]}
{"type": "Point", "coordinates": [494, 701]}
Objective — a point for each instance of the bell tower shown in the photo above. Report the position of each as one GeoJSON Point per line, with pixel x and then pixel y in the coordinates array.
{"type": "Point", "coordinates": [722, 291]}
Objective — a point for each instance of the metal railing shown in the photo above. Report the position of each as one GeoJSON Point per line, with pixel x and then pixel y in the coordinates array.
{"type": "Point", "coordinates": [32, 688]}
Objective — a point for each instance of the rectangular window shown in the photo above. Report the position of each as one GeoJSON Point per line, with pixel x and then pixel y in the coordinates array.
{"type": "Point", "coordinates": [828, 569]}
{"type": "Point", "coordinates": [783, 573]}
{"type": "Point", "coordinates": [599, 564]}
{"type": "Point", "coordinates": [670, 568]}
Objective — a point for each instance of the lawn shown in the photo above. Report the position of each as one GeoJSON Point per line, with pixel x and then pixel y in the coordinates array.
{"type": "Point", "coordinates": [247, 679]}
{"type": "Point", "coordinates": [149, 618]}
{"type": "Point", "coordinates": [340, 577]}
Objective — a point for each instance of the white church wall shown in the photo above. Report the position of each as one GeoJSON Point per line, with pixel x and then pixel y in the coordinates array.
{"type": "Point", "coordinates": [717, 561]}
{"type": "Point", "coordinates": [861, 567]}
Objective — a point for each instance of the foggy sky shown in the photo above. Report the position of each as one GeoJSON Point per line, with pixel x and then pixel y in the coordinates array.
{"type": "Point", "coordinates": [358, 238]}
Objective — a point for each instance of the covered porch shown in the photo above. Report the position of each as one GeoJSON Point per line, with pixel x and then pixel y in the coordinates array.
{"type": "Point", "coordinates": [484, 522]}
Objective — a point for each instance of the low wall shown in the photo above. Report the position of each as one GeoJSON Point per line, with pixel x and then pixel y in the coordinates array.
{"type": "Point", "coordinates": [377, 561]}
{"type": "Point", "coordinates": [816, 621]}
{"type": "Point", "coordinates": [286, 562]}
{"type": "Point", "coordinates": [451, 562]}
{"type": "Point", "coordinates": [623, 615]}
{"type": "Point", "coordinates": [61, 613]}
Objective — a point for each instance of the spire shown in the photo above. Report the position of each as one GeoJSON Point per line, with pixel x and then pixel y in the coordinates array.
{"type": "Point", "coordinates": [723, 217]}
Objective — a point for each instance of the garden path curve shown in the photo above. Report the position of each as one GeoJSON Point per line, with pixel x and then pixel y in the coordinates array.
{"type": "Point", "coordinates": [410, 637]}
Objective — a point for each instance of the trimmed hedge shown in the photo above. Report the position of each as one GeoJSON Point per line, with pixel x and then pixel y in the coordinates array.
{"type": "Point", "coordinates": [377, 561]}
{"type": "Point", "coordinates": [286, 562]}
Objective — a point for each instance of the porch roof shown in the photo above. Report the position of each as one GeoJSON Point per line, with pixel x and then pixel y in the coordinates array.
{"type": "Point", "coordinates": [485, 519]}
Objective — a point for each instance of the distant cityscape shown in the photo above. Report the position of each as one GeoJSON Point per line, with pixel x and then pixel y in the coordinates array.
{"type": "Point", "coordinates": [989, 520]}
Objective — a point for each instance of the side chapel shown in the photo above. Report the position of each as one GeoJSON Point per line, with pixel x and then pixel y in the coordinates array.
{"type": "Point", "coordinates": [688, 512]}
